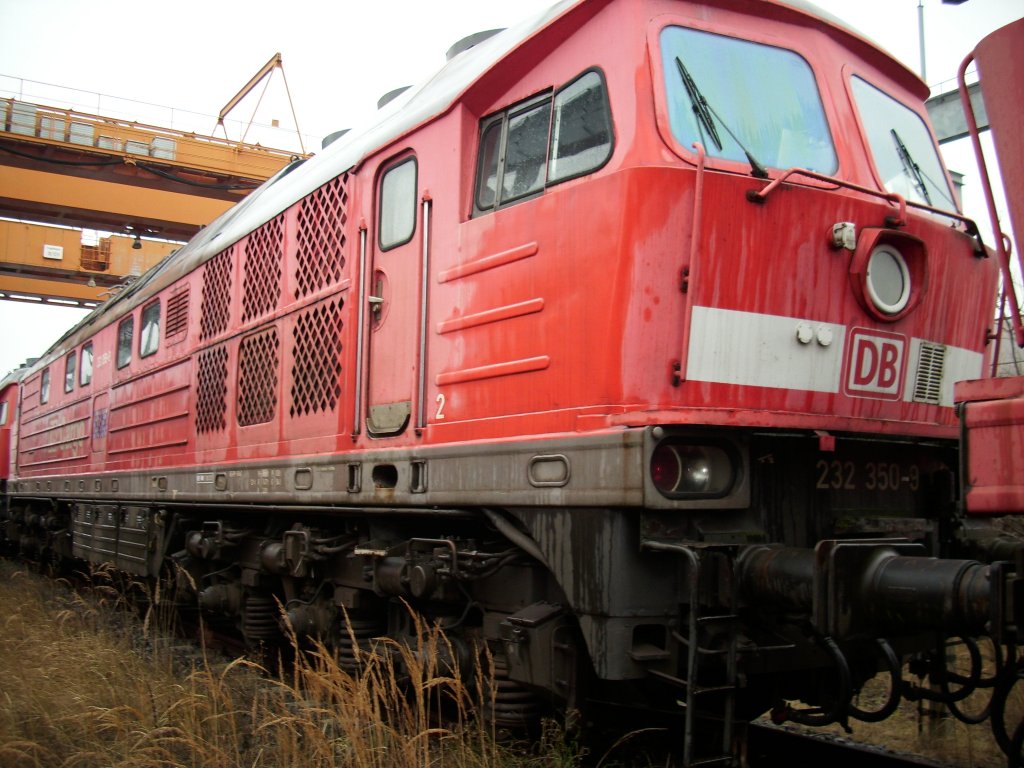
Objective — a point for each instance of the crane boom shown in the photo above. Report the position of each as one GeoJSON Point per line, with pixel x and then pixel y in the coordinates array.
{"type": "Point", "coordinates": [275, 62]}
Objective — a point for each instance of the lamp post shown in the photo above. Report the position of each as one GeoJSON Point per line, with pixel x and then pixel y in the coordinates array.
{"type": "Point", "coordinates": [920, 37]}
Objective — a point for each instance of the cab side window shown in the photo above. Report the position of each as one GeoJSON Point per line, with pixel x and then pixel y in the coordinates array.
{"type": "Point", "coordinates": [69, 371]}
{"type": "Point", "coordinates": [398, 204]}
{"type": "Point", "coordinates": [85, 371]}
{"type": "Point", "coordinates": [149, 339]}
{"type": "Point", "coordinates": [125, 332]}
{"type": "Point", "coordinates": [581, 134]}
{"type": "Point", "coordinates": [44, 386]}
{"type": "Point", "coordinates": [526, 144]}
{"type": "Point", "coordinates": [543, 141]}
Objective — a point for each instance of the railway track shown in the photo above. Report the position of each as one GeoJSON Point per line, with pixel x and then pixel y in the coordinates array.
{"type": "Point", "coordinates": [770, 746]}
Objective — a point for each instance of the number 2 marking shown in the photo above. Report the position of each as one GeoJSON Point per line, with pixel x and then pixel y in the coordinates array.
{"type": "Point", "coordinates": [440, 407]}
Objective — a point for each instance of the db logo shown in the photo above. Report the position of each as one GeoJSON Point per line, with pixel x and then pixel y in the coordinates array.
{"type": "Point", "coordinates": [875, 364]}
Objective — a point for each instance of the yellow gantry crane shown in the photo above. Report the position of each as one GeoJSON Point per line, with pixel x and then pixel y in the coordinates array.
{"type": "Point", "coordinates": [66, 174]}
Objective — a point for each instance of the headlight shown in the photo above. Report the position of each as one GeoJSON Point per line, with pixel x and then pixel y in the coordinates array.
{"type": "Point", "coordinates": [679, 470]}
{"type": "Point", "coordinates": [888, 280]}
{"type": "Point", "coordinates": [889, 273]}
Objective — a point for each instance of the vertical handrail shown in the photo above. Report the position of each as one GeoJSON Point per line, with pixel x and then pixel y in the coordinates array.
{"type": "Point", "coordinates": [689, 276]}
{"type": "Point", "coordinates": [986, 185]}
{"type": "Point", "coordinates": [692, 659]}
{"type": "Point", "coordinates": [998, 335]}
{"type": "Point", "coordinates": [731, 660]}
{"type": "Point", "coordinates": [360, 336]}
{"type": "Point", "coordinates": [421, 366]}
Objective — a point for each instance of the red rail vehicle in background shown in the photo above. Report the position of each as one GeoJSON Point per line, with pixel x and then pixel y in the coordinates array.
{"type": "Point", "coordinates": [993, 409]}
{"type": "Point", "coordinates": [8, 427]}
{"type": "Point", "coordinates": [625, 347]}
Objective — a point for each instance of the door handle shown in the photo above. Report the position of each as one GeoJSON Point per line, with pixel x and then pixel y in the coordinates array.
{"type": "Point", "coordinates": [377, 302]}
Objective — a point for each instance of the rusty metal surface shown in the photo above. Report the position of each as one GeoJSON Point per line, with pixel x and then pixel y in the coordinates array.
{"type": "Point", "coordinates": [1000, 60]}
{"type": "Point", "coordinates": [993, 422]}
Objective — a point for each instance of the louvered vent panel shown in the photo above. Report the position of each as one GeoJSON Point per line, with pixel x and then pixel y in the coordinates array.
{"type": "Point", "coordinates": [177, 316]}
{"type": "Point", "coordinates": [258, 363]}
{"type": "Point", "coordinates": [316, 360]}
{"type": "Point", "coordinates": [930, 364]}
{"type": "Point", "coordinates": [212, 390]}
{"type": "Point", "coordinates": [321, 244]}
{"type": "Point", "coordinates": [261, 281]}
{"type": "Point", "coordinates": [216, 303]}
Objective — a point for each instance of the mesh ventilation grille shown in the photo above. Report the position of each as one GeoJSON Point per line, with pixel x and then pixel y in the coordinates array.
{"type": "Point", "coordinates": [258, 362]}
{"type": "Point", "coordinates": [216, 303]}
{"type": "Point", "coordinates": [321, 243]}
{"type": "Point", "coordinates": [316, 366]}
{"type": "Point", "coordinates": [930, 365]}
{"type": "Point", "coordinates": [212, 390]}
{"type": "Point", "coordinates": [261, 281]}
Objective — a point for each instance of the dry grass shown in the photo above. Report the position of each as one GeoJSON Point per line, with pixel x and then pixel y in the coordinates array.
{"type": "Point", "coordinates": [86, 686]}
{"type": "Point", "coordinates": [928, 729]}
{"type": "Point", "coordinates": [940, 737]}
{"type": "Point", "coordinates": [78, 693]}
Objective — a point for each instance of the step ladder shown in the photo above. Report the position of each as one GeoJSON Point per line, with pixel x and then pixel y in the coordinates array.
{"type": "Point", "coordinates": [719, 698]}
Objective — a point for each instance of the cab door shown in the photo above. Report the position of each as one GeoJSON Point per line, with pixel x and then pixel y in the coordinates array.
{"type": "Point", "coordinates": [393, 300]}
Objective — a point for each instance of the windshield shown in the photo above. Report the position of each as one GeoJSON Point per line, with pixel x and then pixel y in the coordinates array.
{"type": "Point", "coordinates": [742, 99]}
{"type": "Point", "coordinates": [902, 148]}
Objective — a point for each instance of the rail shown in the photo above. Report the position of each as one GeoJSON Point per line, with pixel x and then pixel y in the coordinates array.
{"type": "Point", "coordinates": [900, 220]}
{"type": "Point", "coordinates": [770, 746]}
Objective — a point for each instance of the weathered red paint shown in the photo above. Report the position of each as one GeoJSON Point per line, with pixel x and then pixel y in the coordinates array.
{"type": "Point", "coordinates": [993, 409]}
{"type": "Point", "coordinates": [564, 312]}
{"type": "Point", "coordinates": [994, 426]}
{"type": "Point", "coordinates": [1000, 59]}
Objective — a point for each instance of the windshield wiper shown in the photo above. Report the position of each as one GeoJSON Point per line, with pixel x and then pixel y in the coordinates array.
{"type": "Point", "coordinates": [707, 115]}
{"type": "Point", "coordinates": [700, 104]}
{"type": "Point", "coordinates": [912, 169]}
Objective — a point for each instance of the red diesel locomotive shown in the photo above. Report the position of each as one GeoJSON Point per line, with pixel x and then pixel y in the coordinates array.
{"type": "Point", "coordinates": [625, 346]}
{"type": "Point", "coordinates": [8, 409]}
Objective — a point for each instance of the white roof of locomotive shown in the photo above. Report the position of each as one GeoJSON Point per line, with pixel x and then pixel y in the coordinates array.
{"type": "Point", "coordinates": [411, 108]}
{"type": "Point", "coordinates": [404, 113]}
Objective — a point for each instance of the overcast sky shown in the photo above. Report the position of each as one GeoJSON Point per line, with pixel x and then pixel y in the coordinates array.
{"type": "Point", "coordinates": [339, 57]}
